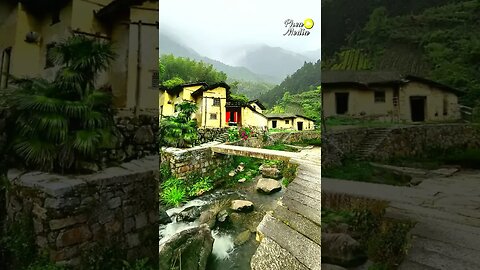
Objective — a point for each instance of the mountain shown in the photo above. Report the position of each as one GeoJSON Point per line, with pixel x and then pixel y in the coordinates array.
{"type": "Point", "coordinates": [168, 45]}
{"type": "Point", "coordinates": [304, 79]}
{"type": "Point", "coordinates": [273, 61]}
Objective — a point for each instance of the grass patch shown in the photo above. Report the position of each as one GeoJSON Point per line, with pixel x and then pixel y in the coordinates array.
{"type": "Point", "coordinates": [281, 147]}
{"type": "Point", "coordinates": [308, 142]}
{"type": "Point", "coordinates": [289, 172]}
{"type": "Point", "coordinates": [277, 130]}
{"type": "Point", "coordinates": [364, 172]}
{"type": "Point", "coordinates": [360, 122]}
{"type": "Point", "coordinates": [436, 158]}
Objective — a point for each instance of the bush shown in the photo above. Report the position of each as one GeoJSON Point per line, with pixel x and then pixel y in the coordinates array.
{"type": "Point", "coordinates": [181, 130]}
{"type": "Point", "coordinates": [233, 134]}
{"type": "Point", "coordinates": [173, 192]}
{"type": "Point", "coordinates": [201, 186]}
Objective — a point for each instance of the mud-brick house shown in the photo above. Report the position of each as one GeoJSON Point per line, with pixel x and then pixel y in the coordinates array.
{"type": "Point", "coordinates": [246, 114]}
{"type": "Point", "coordinates": [30, 28]}
{"type": "Point", "coordinates": [210, 100]}
{"type": "Point", "coordinates": [290, 122]}
{"type": "Point", "coordinates": [388, 96]}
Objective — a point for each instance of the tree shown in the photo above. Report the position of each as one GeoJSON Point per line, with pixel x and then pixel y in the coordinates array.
{"type": "Point", "coordinates": [180, 130]}
{"type": "Point", "coordinates": [60, 123]}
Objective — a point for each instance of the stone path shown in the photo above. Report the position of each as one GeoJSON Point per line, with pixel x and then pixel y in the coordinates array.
{"type": "Point", "coordinates": [446, 212]}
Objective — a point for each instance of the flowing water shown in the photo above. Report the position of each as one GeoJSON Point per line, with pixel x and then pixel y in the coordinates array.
{"type": "Point", "coordinates": [225, 254]}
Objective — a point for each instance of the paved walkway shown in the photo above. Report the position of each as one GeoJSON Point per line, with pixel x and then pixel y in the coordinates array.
{"type": "Point", "coordinates": [290, 235]}
{"type": "Point", "coordinates": [447, 212]}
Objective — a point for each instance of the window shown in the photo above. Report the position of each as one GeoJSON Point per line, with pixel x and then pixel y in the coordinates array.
{"type": "Point", "coordinates": [216, 102]}
{"type": "Point", "coordinates": [274, 124]}
{"type": "Point", "coordinates": [56, 16]}
{"type": "Point", "coordinates": [287, 122]}
{"type": "Point", "coordinates": [5, 67]}
{"type": "Point", "coordinates": [155, 79]}
{"type": "Point", "coordinates": [49, 57]}
{"type": "Point", "coordinates": [379, 96]}
{"type": "Point", "coordinates": [213, 116]}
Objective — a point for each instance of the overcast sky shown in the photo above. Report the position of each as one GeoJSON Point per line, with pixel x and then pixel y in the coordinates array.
{"type": "Point", "coordinates": [215, 28]}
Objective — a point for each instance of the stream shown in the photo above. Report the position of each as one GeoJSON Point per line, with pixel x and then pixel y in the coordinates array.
{"type": "Point", "coordinates": [226, 254]}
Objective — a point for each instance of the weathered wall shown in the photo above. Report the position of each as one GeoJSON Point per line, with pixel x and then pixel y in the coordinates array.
{"type": "Point", "coordinates": [210, 134]}
{"type": "Point", "coordinates": [117, 207]}
{"type": "Point", "coordinates": [285, 137]}
{"type": "Point", "coordinates": [196, 159]}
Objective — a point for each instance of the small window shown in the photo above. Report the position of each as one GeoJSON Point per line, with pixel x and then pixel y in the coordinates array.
{"type": "Point", "coordinates": [49, 57]}
{"type": "Point", "coordinates": [56, 16]}
{"type": "Point", "coordinates": [216, 102]}
{"type": "Point", "coordinates": [379, 96]}
{"type": "Point", "coordinates": [213, 116]}
{"type": "Point", "coordinates": [5, 67]}
{"type": "Point", "coordinates": [287, 122]}
{"type": "Point", "coordinates": [274, 124]}
{"type": "Point", "coordinates": [155, 83]}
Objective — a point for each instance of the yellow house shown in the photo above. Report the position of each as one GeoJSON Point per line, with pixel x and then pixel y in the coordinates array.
{"type": "Point", "coordinates": [388, 96]}
{"type": "Point", "coordinates": [210, 100]}
{"type": "Point", "coordinates": [30, 28]}
{"type": "Point", "coordinates": [290, 121]}
{"type": "Point", "coordinates": [249, 114]}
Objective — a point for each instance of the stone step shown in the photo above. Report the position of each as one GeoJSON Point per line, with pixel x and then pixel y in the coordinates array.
{"type": "Point", "coordinates": [270, 255]}
{"type": "Point", "coordinates": [299, 223]}
{"type": "Point", "coordinates": [303, 198]}
{"type": "Point", "coordinates": [304, 210]}
{"type": "Point", "coordinates": [303, 249]}
{"type": "Point", "coordinates": [312, 188]}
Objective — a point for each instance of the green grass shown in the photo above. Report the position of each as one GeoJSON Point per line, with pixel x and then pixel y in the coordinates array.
{"type": "Point", "coordinates": [364, 172]}
{"type": "Point", "coordinates": [307, 142]}
{"type": "Point", "coordinates": [277, 130]}
{"type": "Point", "coordinates": [281, 147]}
{"type": "Point", "coordinates": [349, 121]}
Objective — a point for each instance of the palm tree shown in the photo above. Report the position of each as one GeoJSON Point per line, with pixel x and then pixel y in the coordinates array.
{"type": "Point", "coordinates": [181, 130]}
{"type": "Point", "coordinates": [62, 122]}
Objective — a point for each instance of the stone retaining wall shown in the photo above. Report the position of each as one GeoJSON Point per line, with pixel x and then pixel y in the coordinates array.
{"type": "Point", "coordinates": [261, 141]}
{"type": "Point", "coordinates": [206, 135]}
{"type": "Point", "coordinates": [196, 159]}
{"type": "Point", "coordinates": [117, 207]}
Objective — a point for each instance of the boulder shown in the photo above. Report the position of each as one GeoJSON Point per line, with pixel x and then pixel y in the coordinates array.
{"type": "Point", "coordinates": [242, 180]}
{"type": "Point", "coordinates": [191, 248]}
{"type": "Point", "coordinates": [341, 249]}
{"type": "Point", "coordinates": [164, 218]}
{"type": "Point", "coordinates": [268, 186]}
{"type": "Point", "coordinates": [232, 173]}
{"type": "Point", "coordinates": [240, 167]}
{"type": "Point", "coordinates": [242, 238]}
{"type": "Point", "coordinates": [270, 171]}
{"type": "Point", "coordinates": [209, 218]}
{"type": "Point", "coordinates": [241, 206]}
{"type": "Point", "coordinates": [189, 214]}
{"type": "Point", "coordinates": [222, 216]}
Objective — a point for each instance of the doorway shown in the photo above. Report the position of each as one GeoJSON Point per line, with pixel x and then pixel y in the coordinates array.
{"type": "Point", "coordinates": [417, 108]}
{"type": "Point", "coordinates": [341, 100]}
{"type": "Point", "coordinates": [274, 124]}
{"type": "Point", "coordinates": [299, 126]}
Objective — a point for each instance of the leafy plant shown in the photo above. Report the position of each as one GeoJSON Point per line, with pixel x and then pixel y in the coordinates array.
{"type": "Point", "coordinates": [173, 191]}
{"type": "Point", "coordinates": [201, 186]}
{"type": "Point", "coordinates": [62, 122]}
{"type": "Point", "coordinates": [181, 130]}
{"type": "Point", "coordinates": [233, 134]}
{"type": "Point", "coordinates": [19, 242]}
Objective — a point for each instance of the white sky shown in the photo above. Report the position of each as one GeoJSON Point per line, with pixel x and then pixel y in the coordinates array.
{"type": "Point", "coordinates": [215, 27]}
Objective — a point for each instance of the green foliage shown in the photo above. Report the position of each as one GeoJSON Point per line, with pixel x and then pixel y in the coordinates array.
{"type": "Point", "coordinates": [181, 130]}
{"type": "Point", "coordinates": [201, 186]}
{"type": "Point", "coordinates": [239, 98]}
{"type": "Point", "coordinates": [173, 192]}
{"type": "Point", "coordinates": [179, 70]}
{"type": "Point", "coordinates": [279, 146]}
{"type": "Point", "coordinates": [142, 264]}
{"type": "Point", "coordinates": [251, 89]}
{"type": "Point", "coordinates": [19, 242]}
{"type": "Point", "coordinates": [305, 78]}
{"type": "Point", "coordinates": [62, 122]}
{"type": "Point", "coordinates": [165, 171]}
{"type": "Point", "coordinates": [44, 263]}
{"type": "Point", "coordinates": [233, 134]}
{"type": "Point", "coordinates": [289, 172]}
{"type": "Point", "coordinates": [351, 59]}
{"type": "Point", "coordinates": [100, 257]}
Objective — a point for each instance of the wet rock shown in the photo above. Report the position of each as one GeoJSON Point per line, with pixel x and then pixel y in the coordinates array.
{"type": "Point", "coordinates": [189, 214]}
{"type": "Point", "coordinates": [209, 218]}
{"type": "Point", "coordinates": [222, 216]}
{"type": "Point", "coordinates": [341, 249]}
{"type": "Point", "coordinates": [164, 218]}
{"type": "Point", "coordinates": [268, 186]}
{"type": "Point", "coordinates": [242, 180]}
{"type": "Point", "coordinates": [332, 267]}
{"type": "Point", "coordinates": [270, 171]}
{"type": "Point", "coordinates": [191, 247]}
{"type": "Point", "coordinates": [241, 206]}
{"type": "Point", "coordinates": [242, 238]}
{"type": "Point", "coordinates": [240, 167]}
{"type": "Point", "coordinates": [232, 173]}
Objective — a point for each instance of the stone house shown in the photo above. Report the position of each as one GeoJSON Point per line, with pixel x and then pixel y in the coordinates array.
{"type": "Point", "coordinates": [30, 28]}
{"type": "Point", "coordinates": [290, 121]}
{"type": "Point", "coordinates": [246, 114]}
{"type": "Point", "coordinates": [388, 96]}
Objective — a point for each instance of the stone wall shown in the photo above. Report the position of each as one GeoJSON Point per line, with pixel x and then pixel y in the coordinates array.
{"type": "Point", "coordinates": [196, 159]}
{"type": "Point", "coordinates": [117, 207]}
{"type": "Point", "coordinates": [284, 137]}
{"type": "Point", "coordinates": [3, 159]}
{"type": "Point", "coordinates": [206, 135]}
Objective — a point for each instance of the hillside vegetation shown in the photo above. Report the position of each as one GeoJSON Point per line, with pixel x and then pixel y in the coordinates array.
{"type": "Point", "coordinates": [307, 103]}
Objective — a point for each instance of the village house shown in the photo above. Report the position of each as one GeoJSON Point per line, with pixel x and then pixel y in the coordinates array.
{"type": "Point", "coordinates": [215, 108]}
{"type": "Point", "coordinates": [290, 122]}
{"type": "Point", "coordinates": [30, 28]}
{"type": "Point", "coordinates": [388, 96]}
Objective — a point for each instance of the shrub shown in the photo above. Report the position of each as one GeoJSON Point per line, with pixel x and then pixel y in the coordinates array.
{"type": "Point", "coordinates": [201, 186]}
{"type": "Point", "coordinates": [233, 134]}
{"type": "Point", "coordinates": [181, 130]}
{"type": "Point", "coordinates": [173, 192]}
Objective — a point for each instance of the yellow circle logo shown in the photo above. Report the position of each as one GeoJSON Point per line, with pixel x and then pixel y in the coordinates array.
{"type": "Point", "coordinates": [308, 23]}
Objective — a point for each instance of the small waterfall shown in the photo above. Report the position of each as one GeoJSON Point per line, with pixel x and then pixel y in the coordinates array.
{"type": "Point", "coordinates": [223, 245]}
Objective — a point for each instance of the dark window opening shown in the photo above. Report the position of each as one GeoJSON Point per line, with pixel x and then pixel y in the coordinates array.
{"type": "Point", "coordinates": [417, 107]}
{"type": "Point", "coordinates": [341, 102]}
{"type": "Point", "coordinates": [5, 67]}
{"type": "Point", "coordinates": [213, 116]}
{"type": "Point", "coordinates": [49, 56]}
{"type": "Point", "coordinates": [56, 16]}
{"type": "Point", "coordinates": [300, 125]}
{"type": "Point", "coordinates": [274, 124]}
{"type": "Point", "coordinates": [379, 96]}
{"type": "Point", "coordinates": [216, 102]}
{"type": "Point", "coordinates": [287, 122]}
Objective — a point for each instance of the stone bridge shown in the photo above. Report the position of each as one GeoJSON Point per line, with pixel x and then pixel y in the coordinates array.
{"type": "Point", "coordinates": [290, 235]}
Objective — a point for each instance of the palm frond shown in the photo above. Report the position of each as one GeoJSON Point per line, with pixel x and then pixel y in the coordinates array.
{"type": "Point", "coordinates": [36, 152]}
{"type": "Point", "coordinates": [86, 141]}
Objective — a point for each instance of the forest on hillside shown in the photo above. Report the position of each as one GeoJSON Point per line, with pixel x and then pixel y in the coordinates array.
{"type": "Point", "coordinates": [436, 39]}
